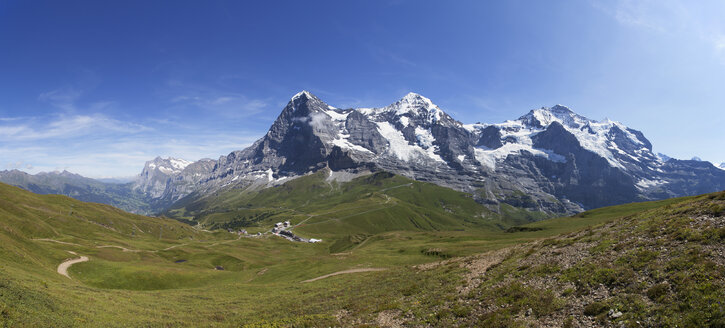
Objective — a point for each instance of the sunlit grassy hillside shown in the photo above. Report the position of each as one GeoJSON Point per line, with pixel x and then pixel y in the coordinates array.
{"type": "Point", "coordinates": [145, 271]}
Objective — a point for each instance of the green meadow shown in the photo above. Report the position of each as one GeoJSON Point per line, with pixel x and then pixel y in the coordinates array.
{"type": "Point", "coordinates": [159, 272]}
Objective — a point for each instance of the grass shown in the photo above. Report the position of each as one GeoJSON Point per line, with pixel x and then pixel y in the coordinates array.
{"type": "Point", "coordinates": [656, 266]}
{"type": "Point", "coordinates": [373, 203]}
{"type": "Point", "coordinates": [260, 284]}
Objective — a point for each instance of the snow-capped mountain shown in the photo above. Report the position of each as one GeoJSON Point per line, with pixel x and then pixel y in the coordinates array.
{"type": "Point", "coordinates": [663, 157]}
{"type": "Point", "coordinates": [550, 159]}
{"type": "Point", "coordinates": [162, 176]}
{"type": "Point", "coordinates": [722, 166]}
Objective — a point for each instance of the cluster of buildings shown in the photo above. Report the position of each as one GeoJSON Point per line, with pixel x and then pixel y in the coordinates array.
{"type": "Point", "coordinates": [279, 226]}
{"type": "Point", "coordinates": [280, 229]}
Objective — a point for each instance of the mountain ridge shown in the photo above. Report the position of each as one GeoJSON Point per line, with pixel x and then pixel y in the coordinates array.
{"type": "Point", "coordinates": [550, 159]}
{"type": "Point", "coordinates": [563, 162]}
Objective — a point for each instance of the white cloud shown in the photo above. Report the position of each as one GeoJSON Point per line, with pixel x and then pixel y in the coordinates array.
{"type": "Point", "coordinates": [98, 146]}
{"type": "Point", "coordinates": [62, 127]}
{"type": "Point", "coordinates": [63, 98]}
{"type": "Point", "coordinates": [699, 20]}
{"type": "Point", "coordinates": [212, 100]}
{"type": "Point", "coordinates": [87, 138]}
{"type": "Point", "coordinates": [317, 121]}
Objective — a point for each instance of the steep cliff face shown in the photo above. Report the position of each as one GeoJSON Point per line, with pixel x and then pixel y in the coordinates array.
{"type": "Point", "coordinates": [157, 174]}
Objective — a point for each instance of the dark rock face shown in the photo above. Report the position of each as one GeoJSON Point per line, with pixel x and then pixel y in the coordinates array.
{"type": "Point", "coordinates": [688, 177]}
{"type": "Point", "coordinates": [490, 137]}
{"type": "Point", "coordinates": [364, 133]}
{"type": "Point", "coordinates": [550, 159]}
{"type": "Point", "coordinates": [558, 139]}
{"type": "Point", "coordinates": [340, 160]}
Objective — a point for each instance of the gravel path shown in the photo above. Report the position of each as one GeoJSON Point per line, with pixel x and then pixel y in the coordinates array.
{"type": "Point", "coordinates": [56, 241]}
{"type": "Point", "coordinates": [63, 267]}
{"type": "Point", "coordinates": [119, 247]}
{"type": "Point", "coordinates": [344, 272]}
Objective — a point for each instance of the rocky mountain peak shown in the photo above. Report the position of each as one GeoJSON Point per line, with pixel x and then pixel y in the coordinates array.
{"type": "Point", "coordinates": [663, 157]}
{"type": "Point", "coordinates": [66, 173]}
{"type": "Point", "coordinates": [542, 117]}
{"type": "Point", "coordinates": [558, 108]}
{"type": "Point", "coordinates": [167, 165]}
{"type": "Point", "coordinates": [415, 98]}
{"type": "Point", "coordinates": [303, 103]}
{"type": "Point", "coordinates": [413, 109]}
{"type": "Point", "coordinates": [415, 103]}
{"type": "Point", "coordinates": [303, 94]}
{"type": "Point", "coordinates": [156, 174]}
{"type": "Point", "coordinates": [551, 152]}
{"type": "Point", "coordinates": [304, 114]}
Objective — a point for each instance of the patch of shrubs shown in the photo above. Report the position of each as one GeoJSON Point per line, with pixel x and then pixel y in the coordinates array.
{"type": "Point", "coordinates": [523, 229]}
{"type": "Point", "coordinates": [517, 298]}
{"type": "Point", "coordinates": [595, 308]}
{"type": "Point", "coordinates": [587, 275]}
{"type": "Point", "coordinates": [438, 252]}
{"type": "Point", "coordinates": [658, 292]}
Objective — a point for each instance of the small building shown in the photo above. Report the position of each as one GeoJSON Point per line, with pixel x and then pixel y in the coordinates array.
{"type": "Point", "coordinates": [286, 223]}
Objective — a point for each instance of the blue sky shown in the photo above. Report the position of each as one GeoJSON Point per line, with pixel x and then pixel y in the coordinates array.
{"type": "Point", "coordinates": [99, 87]}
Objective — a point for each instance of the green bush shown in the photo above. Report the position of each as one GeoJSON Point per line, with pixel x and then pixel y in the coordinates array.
{"type": "Point", "coordinates": [595, 308]}
{"type": "Point", "coordinates": [517, 298]}
{"type": "Point", "coordinates": [658, 292]}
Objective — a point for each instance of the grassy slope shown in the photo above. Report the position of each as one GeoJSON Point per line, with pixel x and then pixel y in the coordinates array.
{"type": "Point", "coordinates": [81, 188]}
{"type": "Point", "coordinates": [26, 218]}
{"type": "Point", "coordinates": [260, 283]}
{"type": "Point", "coordinates": [661, 265]}
{"type": "Point", "coordinates": [366, 205]}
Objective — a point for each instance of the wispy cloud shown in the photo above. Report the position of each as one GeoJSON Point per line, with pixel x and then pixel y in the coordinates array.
{"type": "Point", "coordinates": [700, 20]}
{"type": "Point", "coordinates": [100, 146]}
{"type": "Point", "coordinates": [190, 121]}
{"type": "Point", "coordinates": [64, 127]}
{"type": "Point", "coordinates": [63, 98]}
{"type": "Point", "coordinates": [213, 100]}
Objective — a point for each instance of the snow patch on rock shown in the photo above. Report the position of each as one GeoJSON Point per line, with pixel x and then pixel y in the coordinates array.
{"type": "Point", "coordinates": [400, 148]}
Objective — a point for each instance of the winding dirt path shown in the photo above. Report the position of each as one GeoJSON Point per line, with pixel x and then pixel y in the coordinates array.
{"type": "Point", "coordinates": [56, 241]}
{"type": "Point", "coordinates": [63, 267]}
{"type": "Point", "coordinates": [120, 247]}
{"type": "Point", "coordinates": [172, 247]}
{"type": "Point", "coordinates": [344, 272]}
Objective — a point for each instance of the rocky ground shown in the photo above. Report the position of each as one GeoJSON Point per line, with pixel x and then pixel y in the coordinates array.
{"type": "Point", "coordinates": [659, 268]}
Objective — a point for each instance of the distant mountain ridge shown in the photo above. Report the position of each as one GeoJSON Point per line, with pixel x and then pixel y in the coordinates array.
{"type": "Point", "coordinates": [81, 188]}
{"type": "Point", "coordinates": [549, 159]}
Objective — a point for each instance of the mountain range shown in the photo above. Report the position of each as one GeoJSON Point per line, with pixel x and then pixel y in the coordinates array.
{"type": "Point", "coordinates": [120, 195]}
{"type": "Point", "coordinates": [549, 160]}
